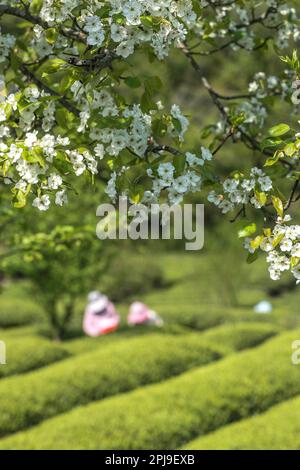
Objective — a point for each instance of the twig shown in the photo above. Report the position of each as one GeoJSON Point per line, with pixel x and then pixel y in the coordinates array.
{"type": "Point", "coordinates": [224, 140]}
{"type": "Point", "coordinates": [290, 199]}
{"type": "Point", "coordinates": [26, 15]}
{"type": "Point", "coordinates": [63, 101]}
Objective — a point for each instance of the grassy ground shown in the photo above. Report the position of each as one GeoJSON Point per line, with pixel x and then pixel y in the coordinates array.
{"type": "Point", "coordinates": [77, 393]}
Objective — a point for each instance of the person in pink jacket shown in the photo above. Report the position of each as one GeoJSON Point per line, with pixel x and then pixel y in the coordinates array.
{"type": "Point", "coordinates": [140, 314]}
{"type": "Point", "coordinates": [100, 315]}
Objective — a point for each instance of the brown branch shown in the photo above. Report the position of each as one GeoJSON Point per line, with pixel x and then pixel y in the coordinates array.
{"type": "Point", "coordinates": [217, 99]}
{"type": "Point", "coordinates": [63, 101]}
{"type": "Point", "coordinates": [26, 15]}
{"type": "Point", "coordinates": [242, 211]}
{"type": "Point", "coordinates": [224, 140]}
{"type": "Point", "coordinates": [165, 148]}
{"type": "Point", "coordinates": [290, 199]}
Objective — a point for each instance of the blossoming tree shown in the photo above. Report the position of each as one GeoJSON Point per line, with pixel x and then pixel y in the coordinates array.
{"type": "Point", "coordinates": [64, 110]}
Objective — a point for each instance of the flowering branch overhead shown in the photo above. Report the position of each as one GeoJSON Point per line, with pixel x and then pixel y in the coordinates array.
{"type": "Point", "coordinates": [65, 109]}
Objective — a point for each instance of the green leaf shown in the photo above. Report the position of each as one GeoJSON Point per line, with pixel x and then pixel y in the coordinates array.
{"type": "Point", "coordinates": [179, 164]}
{"type": "Point", "coordinates": [6, 167]}
{"type": "Point", "coordinates": [51, 35]}
{"type": "Point", "coordinates": [261, 197]}
{"type": "Point", "coordinates": [34, 155]}
{"type": "Point", "coordinates": [267, 232]}
{"type": "Point", "coordinates": [159, 128]}
{"type": "Point", "coordinates": [256, 242]}
{"type": "Point", "coordinates": [147, 21]}
{"type": "Point", "coordinates": [252, 257]}
{"type": "Point", "coordinates": [147, 102]}
{"type": "Point", "coordinates": [290, 149]}
{"type": "Point", "coordinates": [277, 240]}
{"type": "Point", "coordinates": [274, 159]}
{"type": "Point", "coordinates": [270, 142]}
{"type": "Point", "coordinates": [279, 130]}
{"type": "Point", "coordinates": [19, 200]}
{"type": "Point", "coordinates": [64, 118]}
{"type": "Point", "coordinates": [278, 205]}
{"type": "Point", "coordinates": [66, 82]}
{"type": "Point", "coordinates": [153, 84]}
{"type": "Point", "coordinates": [133, 82]}
{"type": "Point", "coordinates": [294, 261]}
{"type": "Point", "coordinates": [52, 66]}
{"type": "Point", "coordinates": [35, 6]}
{"type": "Point", "coordinates": [247, 231]}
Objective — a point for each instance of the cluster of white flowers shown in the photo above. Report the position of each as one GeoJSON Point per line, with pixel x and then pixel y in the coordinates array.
{"type": "Point", "coordinates": [57, 12]}
{"type": "Point", "coordinates": [240, 190]}
{"type": "Point", "coordinates": [296, 92]}
{"type": "Point", "coordinates": [278, 16]}
{"type": "Point", "coordinates": [49, 116]}
{"type": "Point", "coordinates": [134, 136]}
{"type": "Point", "coordinates": [136, 129]}
{"type": "Point", "coordinates": [164, 178]}
{"type": "Point", "coordinates": [94, 28]}
{"type": "Point", "coordinates": [82, 161]}
{"type": "Point", "coordinates": [282, 246]}
{"type": "Point", "coordinates": [262, 85]}
{"type": "Point", "coordinates": [137, 137]}
{"type": "Point", "coordinates": [7, 41]}
{"type": "Point", "coordinates": [135, 30]}
{"type": "Point", "coordinates": [254, 108]}
{"type": "Point", "coordinates": [127, 23]}
{"type": "Point", "coordinates": [254, 112]}
{"type": "Point", "coordinates": [32, 160]}
{"type": "Point", "coordinates": [285, 87]}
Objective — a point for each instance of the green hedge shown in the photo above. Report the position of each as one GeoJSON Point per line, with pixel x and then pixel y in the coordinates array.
{"type": "Point", "coordinates": [195, 317]}
{"type": "Point", "coordinates": [20, 332]}
{"type": "Point", "coordinates": [164, 416]}
{"type": "Point", "coordinates": [277, 429]}
{"type": "Point", "coordinates": [86, 344]}
{"type": "Point", "coordinates": [29, 353]}
{"type": "Point", "coordinates": [114, 368]}
{"type": "Point", "coordinates": [17, 312]}
{"type": "Point", "coordinates": [238, 336]}
{"type": "Point", "coordinates": [234, 336]}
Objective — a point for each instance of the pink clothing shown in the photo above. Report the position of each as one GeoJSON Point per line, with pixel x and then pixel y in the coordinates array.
{"type": "Point", "coordinates": [139, 314]}
{"type": "Point", "coordinates": [100, 318]}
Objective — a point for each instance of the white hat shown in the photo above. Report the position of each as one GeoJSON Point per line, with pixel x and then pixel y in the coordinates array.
{"type": "Point", "coordinates": [94, 295]}
{"type": "Point", "coordinates": [99, 304]}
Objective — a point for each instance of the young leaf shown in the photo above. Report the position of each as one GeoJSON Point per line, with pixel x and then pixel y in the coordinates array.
{"type": "Point", "coordinates": [278, 205]}
{"type": "Point", "coordinates": [133, 82]}
{"type": "Point", "coordinates": [279, 130]}
{"type": "Point", "coordinates": [247, 231]}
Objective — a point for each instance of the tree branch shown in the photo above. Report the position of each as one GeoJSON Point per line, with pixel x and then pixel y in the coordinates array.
{"type": "Point", "coordinates": [165, 148]}
{"type": "Point", "coordinates": [217, 99]}
{"type": "Point", "coordinates": [26, 15]}
{"type": "Point", "coordinates": [290, 199]}
{"type": "Point", "coordinates": [63, 101]}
